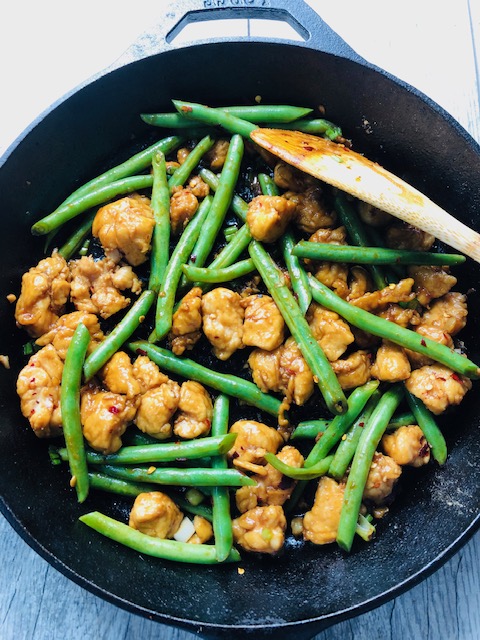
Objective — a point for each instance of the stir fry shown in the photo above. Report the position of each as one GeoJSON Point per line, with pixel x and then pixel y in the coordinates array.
{"type": "Point", "coordinates": [240, 350]}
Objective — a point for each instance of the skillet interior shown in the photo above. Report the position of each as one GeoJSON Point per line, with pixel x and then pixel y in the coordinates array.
{"type": "Point", "coordinates": [98, 126]}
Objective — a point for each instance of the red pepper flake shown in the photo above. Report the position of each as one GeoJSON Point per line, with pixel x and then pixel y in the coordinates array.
{"type": "Point", "coordinates": [114, 409]}
{"type": "Point", "coordinates": [32, 412]}
{"type": "Point", "coordinates": [456, 377]}
{"type": "Point", "coordinates": [32, 379]}
{"type": "Point", "coordinates": [141, 352]}
{"type": "Point", "coordinates": [423, 343]}
{"type": "Point", "coordinates": [208, 423]}
{"type": "Point", "coordinates": [186, 109]}
{"type": "Point", "coordinates": [361, 424]}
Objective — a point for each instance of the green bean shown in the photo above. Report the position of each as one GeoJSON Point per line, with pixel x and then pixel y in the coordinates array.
{"type": "Point", "coordinates": [372, 255]}
{"type": "Point", "coordinates": [130, 167]}
{"type": "Point", "coordinates": [233, 250]}
{"type": "Point", "coordinates": [109, 484]}
{"type": "Point", "coordinates": [310, 429]}
{"type": "Point", "coordinates": [362, 461]}
{"type": "Point", "coordinates": [215, 117]}
{"type": "Point", "coordinates": [191, 161]}
{"type": "Point", "coordinates": [302, 473]}
{"type": "Point", "coordinates": [188, 477]}
{"type": "Point", "coordinates": [84, 248]}
{"type": "Point", "coordinates": [70, 408]}
{"type": "Point", "coordinates": [173, 272]}
{"type": "Point", "coordinates": [238, 204]}
{"type": "Point", "coordinates": [222, 521]}
{"type": "Point", "coordinates": [221, 201]}
{"type": "Point", "coordinates": [160, 203]}
{"type": "Point", "coordinates": [401, 420]}
{"type": "Point", "coordinates": [224, 382]}
{"type": "Point", "coordinates": [150, 546]}
{"type": "Point", "coordinates": [256, 113]}
{"type": "Point", "coordinates": [298, 276]}
{"type": "Point", "coordinates": [390, 331]}
{"type": "Point", "coordinates": [347, 447]}
{"type": "Point", "coordinates": [75, 241]}
{"type": "Point", "coordinates": [88, 200]}
{"type": "Point", "coordinates": [229, 232]}
{"type": "Point", "coordinates": [426, 421]}
{"type": "Point", "coordinates": [357, 234]}
{"type": "Point", "coordinates": [315, 127]}
{"type": "Point", "coordinates": [162, 451]}
{"type": "Point", "coordinates": [124, 329]}
{"type": "Point", "coordinates": [227, 274]}
{"type": "Point", "coordinates": [312, 352]}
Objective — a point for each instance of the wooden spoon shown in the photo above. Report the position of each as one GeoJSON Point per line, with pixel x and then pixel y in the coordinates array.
{"type": "Point", "coordinates": [351, 172]}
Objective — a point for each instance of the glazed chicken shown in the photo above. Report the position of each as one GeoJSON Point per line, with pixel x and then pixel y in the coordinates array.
{"type": "Point", "coordinates": [195, 411]}
{"type": "Point", "coordinates": [448, 313]}
{"type": "Point", "coordinates": [118, 375]}
{"type": "Point", "coordinates": [333, 275]}
{"type": "Point", "coordinates": [263, 326]}
{"type": "Point", "coordinates": [96, 286]}
{"type": "Point", "coordinates": [382, 477]}
{"type": "Point", "coordinates": [372, 215]}
{"type": "Point", "coordinates": [320, 524]}
{"type": "Point", "coordinates": [38, 386]}
{"type": "Point", "coordinates": [203, 531]}
{"type": "Point", "coordinates": [392, 294]}
{"type": "Point", "coordinates": [268, 217]}
{"type": "Point", "coordinates": [105, 417]}
{"type": "Point", "coordinates": [187, 322]}
{"type": "Point", "coordinates": [254, 440]}
{"type": "Point", "coordinates": [311, 210]}
{"type": "Point", "coordinates": [261, 530]}
{"type": "Point", "coordinates": [331, 332]}
{"type": "Point", "coordinates": [44, 294]}
{"type": "Point", "coordinates": [353, 371]}
{"type": "Point", "coordinates": [155, 514]}
{"type": "Point", "coordinates": [125, 228]}
{"type": "Point", "coordinates": [147, 374]}
{"type": "Point", "coordinates": [62, 331]}
{"type": "Point", "coordinates": [431, 282]}
{"type": "Point", "coordinates": [391, 363]}
{"type": "Point", "coordinates": [273, 487]}
{"type": "Point", "coordinates": [404, 236]}
{"type": "Point", "coordinates": [287, 177]}
{"type": "Point", "coordinates": [183, 206]}
{"type": "Point", "coordinates": [216, 156]}
{"type": "Point", "coordinates": [157, 408]}
{"type": "Point", "coordinates": [438, 387]}
{"type": "Point", "coordinates": [223, 315]}
{"type": "Point", "coordinates": [407, 446]}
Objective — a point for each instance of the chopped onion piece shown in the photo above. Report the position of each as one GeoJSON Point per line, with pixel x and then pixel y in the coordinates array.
{"type": "Point", "coordinates": [185, 531]}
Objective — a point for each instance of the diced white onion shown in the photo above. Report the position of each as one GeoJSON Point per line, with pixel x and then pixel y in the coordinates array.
{"type": "Point", "coordinates": [185, 531]}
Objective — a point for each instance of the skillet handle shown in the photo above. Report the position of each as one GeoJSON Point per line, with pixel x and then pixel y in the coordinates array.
{"type": "Point", "coordinates": [316, 33]}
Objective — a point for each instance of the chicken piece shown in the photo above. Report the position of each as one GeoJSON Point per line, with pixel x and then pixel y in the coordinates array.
{"type": "Point", "coordinates": [331, 332]}
{"type": "Point", "coordinates": [187, 322]}
{"type": "Point", "coordinates": [359, 283]}
{"type": "Point", "coordinates": [391, 363]}
{"type": "Point", "coordinates": [43, 295]}
{"type": "Point", "coordinates": [448, 313]}
{"type": "Point", "coordinates": [287, 177]}
{"type": "Point", "coordinates": [62, 331]}
{"type": "Point", "coordinates": [384, 473]}
{"type": "Point", "coordinates": [223, 321]}
{"type": "Point", "coordinates": [265, 368]}
{"type": "Point", "coordinates": [311, 209]}
{"type": "Point", "coordinates": [183, 206]}
{"type": "Point", "coordinates": [195, 411]}
{"type": "Point", "coordinates": [268, 217]}
{"type": "Point", "coordinates": [397, 314]}
{"type": "Point", "coordinates": [354, 370]}
{"type": "Point", "coordinates": [365, 340]}
{"type": "Point", "coordinates": [155, 514]}
{"type": "Point", "coordinates": [320, 525]}
{"type": "Point", "coordinates": [198, 187]}
{"type": "Point", "coordinates": [373, 216]}
{"type": "Point", "coordinates": [105, 417]}
{"type": "Point", "coordinates": [438, 387]}
{"type": "Point", "coordinates": [182, 154]}
{"type": "Point", "coordinates": [254, 440]}
{"type": "Point", "coordinates": [431, 282]}
{"type": "Point", "coordinates": [171, 167]}
{"type": "Point", "coordinates": [38, 386]}
{"type": "Point", "coordinates": [391, 294]}
{"type": "Point", "coordinates": [330, 236]}
{"type": "Point", "coordinates": [407, 446]}
{"type": "Point", "coordinates": [125, 226]}
{"type": "Point", "coordinates": [273, 487]}
{"type": "Point", "coordinates": [156, 409]}
{"type": "Point", "coordinates": [404, 236]}
{"type": "Point", "coordinates": [263, 326]}
{"type": "Point", "coordinates": [432, 332]}
{"type": "Point", "coordinates": [216, 156]}
{"type": "Point", "coordinates": [203, 531]}
{"type": "Point", "coordinates": [118, 375]}
{"type": "Point", "coordinates": [147, 374]}
{"type": "Point", "coordinates": [334, 275]}
{"type": "Point", "coordinates": [297, 379]}
{"type": "Point", "coordinates": [261, 530]}
{"type": "Point", "coordinates": [96, 286]}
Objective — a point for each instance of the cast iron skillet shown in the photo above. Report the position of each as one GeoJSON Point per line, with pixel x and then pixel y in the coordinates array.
{"type": "Point", "coordinates": [308, 588]}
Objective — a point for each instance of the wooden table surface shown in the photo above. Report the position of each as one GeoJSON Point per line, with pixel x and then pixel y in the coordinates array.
{"type": "Point", "coordinates": [50, 47]}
